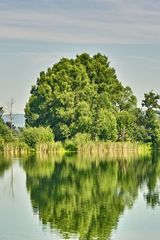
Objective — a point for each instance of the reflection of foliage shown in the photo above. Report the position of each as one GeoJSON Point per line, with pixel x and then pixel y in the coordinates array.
{"type": "Point", "coordinates": [153, 195]}
{"type": "Point", "coordinates": [4, 165]}
{"type": "Point", "coordinates": [40, 165]}
{"type": "Point", "coordinates": [153, 199]}
{"type": "Point", "coordinates": [86, 197]}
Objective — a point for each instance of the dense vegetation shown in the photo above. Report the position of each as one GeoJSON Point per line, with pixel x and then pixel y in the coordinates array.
{"type": "Point", "coordinates": [83, 95]}
{"type": "Point", "coordinates": [81, 101]}
{"type": "Point", "coordinates": [20, 140]}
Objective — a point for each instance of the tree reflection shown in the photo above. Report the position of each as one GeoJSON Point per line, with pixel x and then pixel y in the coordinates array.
{"type": "Point", "coordinates": [153, 194]}
{"type": "Point", "coordinates": [5, 163]}
{"type": "Point", "coordinates": [86, 197]}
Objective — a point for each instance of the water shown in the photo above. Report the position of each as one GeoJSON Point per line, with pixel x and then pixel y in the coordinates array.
{"type": "Point", "coordinates": [79, 198]}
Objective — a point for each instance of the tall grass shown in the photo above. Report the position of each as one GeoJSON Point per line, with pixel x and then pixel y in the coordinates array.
{"type": "Point", "coordinates": [50, 147]}
{"type": "Point", "coordinates": [114, 148]}
{"type": "Point", "coordinates": [15, 148]}
{"type": "Point", "coordinates": [97, 149]}
{"type": "Point", "coordinates": [21, 148]}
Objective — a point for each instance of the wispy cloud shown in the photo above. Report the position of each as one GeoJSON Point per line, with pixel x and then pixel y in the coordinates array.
{"type": "Point", "coordinates": [92, 21]}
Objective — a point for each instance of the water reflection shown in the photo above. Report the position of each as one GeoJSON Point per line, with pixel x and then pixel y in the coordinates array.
{"type": "Point", "coordinates": [5, 163]}
{"type": "Point", "coordinates": [153, 185]}
{"type": "Point", "coordinates": [86, 196]}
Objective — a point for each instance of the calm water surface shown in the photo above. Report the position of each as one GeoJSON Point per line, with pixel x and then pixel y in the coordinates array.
{"type": "Point", "coordinates": [79, 198]}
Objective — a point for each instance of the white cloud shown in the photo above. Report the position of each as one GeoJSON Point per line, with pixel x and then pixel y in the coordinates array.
{"type": "Point", "coordinates": [117, 22]}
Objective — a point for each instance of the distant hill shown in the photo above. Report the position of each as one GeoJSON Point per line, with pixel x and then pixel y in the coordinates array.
{"type": "Point", "coordinates": [18, 119]}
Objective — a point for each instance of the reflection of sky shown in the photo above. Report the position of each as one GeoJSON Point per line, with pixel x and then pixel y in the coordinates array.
{"type": "Point", "coordinates": [138, 223]}
{"type": "Point", "coordinates": [36, 33]}
{"type": "Point", "coordinates": [17, 221]}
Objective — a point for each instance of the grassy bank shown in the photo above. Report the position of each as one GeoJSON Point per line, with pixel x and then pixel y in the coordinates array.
{"type": "Point", "coordinates": [114, 150]}
{"type": "Point", "coordinates": [22, 148]}
{"type": "Point", "coordinates": [15, 148]}
{"type": "Point", "coordinates": [50, 147]}
{"type": "Point", "coordinates": [113, 147]}
{"type": "Point", "coordinates": [97, 148]}
{"type": "Point", "coordinates": [102, 147]}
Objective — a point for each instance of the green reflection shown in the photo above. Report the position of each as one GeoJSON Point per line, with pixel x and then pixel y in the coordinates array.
{"type": "Point", "coordinates": [5, 163]}
{"type": "Point", "coordinates": [87, 196]}
{"type": "Point", "coordinates": [153, 185]}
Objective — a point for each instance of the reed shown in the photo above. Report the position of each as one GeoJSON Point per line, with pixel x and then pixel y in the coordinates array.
{"type": "Point", "coordinates": [90, 148]}
{"type": "Point", "coordinates": [50, 147]}
{"type": "Point", "coordinates": [113, 148]}
{"type": "Point", "coordinates": [15, 148]}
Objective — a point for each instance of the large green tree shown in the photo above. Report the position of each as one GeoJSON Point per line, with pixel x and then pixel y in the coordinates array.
{"type": "Point", "coordinates": [79, 95]}
{"type": "Point", "coordinates": [151, 119]}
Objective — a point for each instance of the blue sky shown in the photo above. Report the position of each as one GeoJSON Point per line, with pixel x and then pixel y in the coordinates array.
{"type": "Point", "coordinates": [35, 34]}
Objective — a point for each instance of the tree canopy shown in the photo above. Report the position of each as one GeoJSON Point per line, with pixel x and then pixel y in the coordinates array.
{"type": "Point", "coordinates": [151, 119]}
{"type": "Point", "coordinates": [81, 95]}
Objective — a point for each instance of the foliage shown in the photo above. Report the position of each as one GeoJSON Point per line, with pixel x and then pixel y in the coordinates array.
{"type": "Point", "coordinates": [151, 119]}
{"type": "Point", "coordinates": [1, 143]}
{"type": "Point", "coordinates": [33, 136]}
{"type": "Point", "coordinates": [81, 138]}
{"type": "Point", "coordinates": [70, 146]}
{"type": "Point", "coordinates": [126, 125]}
{"type": "Point", "coordinates": [73, 144]}
{"type": "Point", "coordinates": [151, 100]}
{"type": "Point", "coordinates": [105, 125]}
{"type": "Point", "coordinates": [82, 100]}
{"type": "Point", "coordinates": [5, 132]}
{"type": "Point", "coordinates": [1, 112]}
{"type": "Point", "coordinates": [79, 95]}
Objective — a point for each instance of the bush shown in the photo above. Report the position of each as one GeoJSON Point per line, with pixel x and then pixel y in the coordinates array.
{"type": "Point", "coordinates": [1, 143]}
{"type": "Point", "coordinates": [5, 132]}
{"type": "Point", "coordinates": [70, 146]}
{"type": "Point", "coordinates": [81, 138]}
{"type": "Point", "coordinates": [33, 136]}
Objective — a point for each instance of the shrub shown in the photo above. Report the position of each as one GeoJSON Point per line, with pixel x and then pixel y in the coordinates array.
{"type": "Point", "coordinates": [33, 136]}
{"type": "Point", "coordinates": [81, 138]}
{"type": "Point", "coordinates": [1, 143]}
{"type": "Point", "coordinates": [5, 132]}
{"type": "Point", "coordinates": [70, 146]}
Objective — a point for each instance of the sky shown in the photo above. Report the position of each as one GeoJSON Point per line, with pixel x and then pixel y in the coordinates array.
{"type": "Point", "coordinates": [35, 34]}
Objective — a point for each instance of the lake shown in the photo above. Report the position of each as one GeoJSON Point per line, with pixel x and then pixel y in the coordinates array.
{"type": "Point", "coordinates": [79, 197]}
